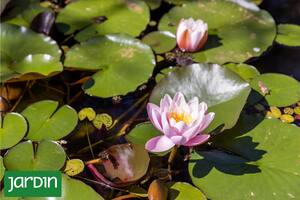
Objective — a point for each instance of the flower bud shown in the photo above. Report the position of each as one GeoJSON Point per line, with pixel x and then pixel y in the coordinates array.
{"type": "Point", "coordinates": [191, 35]}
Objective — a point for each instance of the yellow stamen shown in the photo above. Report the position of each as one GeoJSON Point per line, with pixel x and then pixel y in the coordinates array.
{"type": "Point", "coordinates": [180, 116]}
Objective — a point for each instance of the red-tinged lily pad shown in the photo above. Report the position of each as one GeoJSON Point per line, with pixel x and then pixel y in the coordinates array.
{"type": "Point", "coordinates": [124, 163]}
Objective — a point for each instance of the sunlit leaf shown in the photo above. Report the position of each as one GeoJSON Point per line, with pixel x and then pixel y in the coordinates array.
{"type": "Point", "coordinates": [47, 155]}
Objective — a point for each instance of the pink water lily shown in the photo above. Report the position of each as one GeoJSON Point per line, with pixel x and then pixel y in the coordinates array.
{"type": "Point", "coordinates": [181, 122]}
{"type": "Point", "coordinates": [191, 34]}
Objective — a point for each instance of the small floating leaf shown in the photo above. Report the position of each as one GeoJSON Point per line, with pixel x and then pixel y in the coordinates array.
{"type": "Point", "coordinates": [184, 191]}
{"type": "Point", "coordinates": [287, 118]}
{"type": "Point", "coordinates": [288, 110]}
{"type": "Point", "coordinates": [87, 113]}
{"type": "Point", "coordinates": [276, 112]}
{"type": "Point", "coordinates": [103, 119]}
{"type": "Point", "coordinates": [74, 167]}
{"type": "Point", "coordinates": [288, 34]}
{"type": "Point", "coordinates": [297, 110]}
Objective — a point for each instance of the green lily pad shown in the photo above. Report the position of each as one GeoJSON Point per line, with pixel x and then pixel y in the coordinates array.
{"type": "Point", "coordinates": [2, 169]}
{"type": "Point", "coordinates": [184, 191]}
{"type": "Point", "coordinates": [241, 2]}
{"type": "Point", "coordinates": [123, 63]}
{"type": "Point", "coordinates": [263, 163]}
{"type": "Point", "coordinates": [22, 12]}
{"type": "Point", "coordinates": [153, 4]}
{"type": "Point", "coordinates": [142, 133]}
{"type": "Point", "coordinates": [224, 92]}
{"type": "Point", "coordinates": [160, 41]}
{"type": "Point", "coordinates": [46, 121]}
{"type": "Point", "coordinates": [235, 34]}
{"type": "Point", "coordinates": [24, 52]}
{"type": "Point", "coordinates": [12, 129]}
{"type": "Point", "coordinates": [71, 189]}
{"type": "Point", "coordinates": [123, 16]}
{"type": "Point", "coordinates": [283, 90]}
{"type": "Point", "coordinates": [246, 72]}
{"type": "Point", "coordinates": [288, 34]}
{"type": "Point", "coordinates": [46, 155]}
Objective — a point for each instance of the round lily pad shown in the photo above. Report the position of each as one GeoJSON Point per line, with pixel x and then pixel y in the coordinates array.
{"type": "Point", "coordinates": [224, 91]}
{"type": "Point", "coordinates": [235, 33]}
{"type": "Point", "coordinates": [24, 52]}
{"type": "Point", "coordinates": [46, 155]}
{"type": "Point", "coordinates": [288, 34]}
{"type": "Point", "coordinates": [74, 167]}
{"type": "Point", "coordinates": [123, 63]}
{"type": "Point", "coordinates": [46, 121]}
{"type": "Point", "coordinates": [22, 12]}
{"type": "Point", "coordinates": [160, 41]}
{"type": "Point", "coordinates": [259, 163]}
{"type": "Point", "coordinates": [283, 90]}
{"type": "Point", "coordinates": [184, 191]}
{"type": "Point", "coordinates": [13, 128]}
{"type": "Point", "coordinates": [142, 133]}
{"type": "Point", "coordinates": [100, 17]}
{"type": "Point", "coordinates": [246, 72]}
{"type": "Point", "coordinates": [2, 169]}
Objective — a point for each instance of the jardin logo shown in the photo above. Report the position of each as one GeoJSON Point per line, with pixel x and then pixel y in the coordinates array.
{"type": "Point", "coordinates": [32, 184]}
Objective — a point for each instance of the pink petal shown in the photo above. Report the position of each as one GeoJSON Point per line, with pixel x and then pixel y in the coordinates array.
{"type": "Point", "coordinates": [159, 144]}
{"type": "Point", "coordinates": [167, 130]}
{"type": "Point", "coordinates": [199, 139]}
{"type": "Point", "coordinates": [178, 139]}
{"type": "Point", "coordinates": [192, 130]}
{"type": "Point", "coordinates": [165, 103]}
{"type": "Point", "coordinates": [154, 116]}
{"type": "Point", "coordinates": [206, 121]}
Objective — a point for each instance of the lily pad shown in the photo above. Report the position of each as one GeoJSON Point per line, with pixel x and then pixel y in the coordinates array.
{"type": "Point", "coordinates": [246, 72]}
{"type": "Point", "coordinates": [160, 41]}
{"type": "Point", "coordinates": [118, 16]}
{"type": "Point", "coordinates": [142, 133]}
{"type": "Point", "coordinates": [46, 155]}
{"type": "Point", "coordinates": [235, 34]}
{"type": "Point", "coordinates": [288, 34]}
{"type": "Point", "coordinates": [153, 4]}
{"type": "Point", "coordinates": [184, 191]}
{"type": "Point", "coordinates": [46, 121]}
{"type": "Point", "coordinates": [283, 90]}
{"type": "Point", "coordinates": [12, 129]}
{"type": "Point", "coordinates": [71, 189]}
{"type": "Point", "coordinates": [2, 169]}
{"type": "Point", "coordinates": [224, 92]}
{"type": "Point", "coordinates": [24, 52]}
{"type": "Point", "coordinates": [262, 163]}
{"type": "Point", "coordinates": [22, 12]}
{"type": "Point", "coordinates": [123, 63]}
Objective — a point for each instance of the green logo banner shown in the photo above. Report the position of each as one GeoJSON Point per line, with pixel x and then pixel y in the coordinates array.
{"type": "Point", "coordinates": [32, 184]}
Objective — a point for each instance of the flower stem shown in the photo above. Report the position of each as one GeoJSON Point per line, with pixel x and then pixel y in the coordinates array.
{"type": "Point", "coordinates": [171, 159]}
